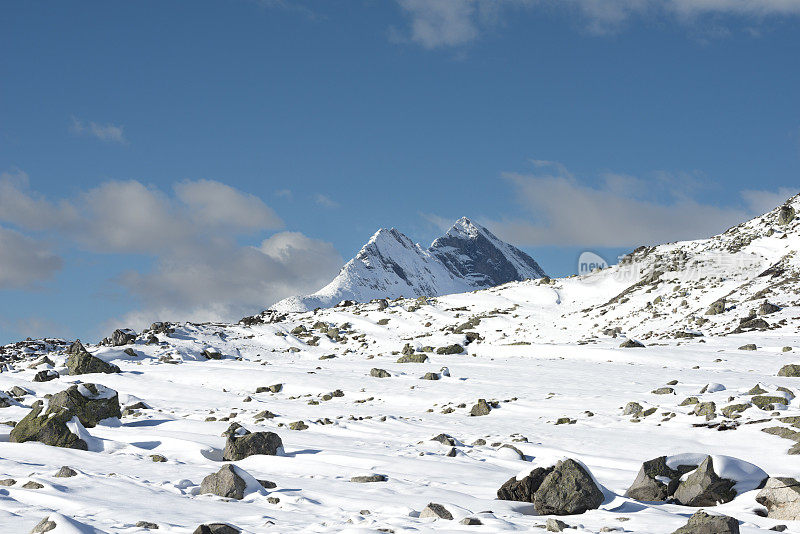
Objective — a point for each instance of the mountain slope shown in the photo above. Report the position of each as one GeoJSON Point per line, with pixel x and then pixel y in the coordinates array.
{"type": "Point", "coordinates": [390, 265]}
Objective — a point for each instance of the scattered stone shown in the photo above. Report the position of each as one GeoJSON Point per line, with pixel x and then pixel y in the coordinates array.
{"type": "Point", "coordinates": [298, 425]}
{"type": "Point", "coordinates": [786, 215]}
{"type": "Point", "coordinates": [45, 525]}
{"type": "Point", "coordinates": [122, 337]}
{"type": "Point", "coordinates": [656, 481]}
{"type": "Point", "coordinates": [564, 489]}
{"type": "Point", "coordinates": [413, 358]}
{"type": "Point", "coordinates": [239, 447]}
{"type": "Point", "coordinates": [631, 344]}
{"type": "Point", "coordinates": [716, 308]}
{"type": "Point", "coordinates": [430, 376]}
{"type": "Point", "coordinates": [147, 525]}
{"type": "Point", "coordinates": [633, 408]}
{"type": "Point", "coordinates": [471, 521]}
{"type": "Point", "coordinates": [450, 349]}
{"type": "Point", "coordinates": [767, 402]}
{"type": "Point", "coordinates": [7, 482]}
{"type": "Point", "coordinates": [66, 472]}
{"type": "Point", "coordinates": [212, 354]}
{"type": "Point", "coordinates": [45, 376]}
{"type": "Point", "coordinates": [84, 363]}
{"type": "Point", "coordinates": [379, 373]}
{"type": "Point", "coordinates": [158, 458]}
{"type": "Point", "coordinates": [663, 391]}
{"type": "Point", "coordinates": [225, 483]}
{"type": "Point", "coordinates": [555, 525]}
{"type": "Point", "coordinates": [703, 523]}
{"type": "Point", "coordinates": [32, 485]}
{"type": "Point", "coordinates": [436, 511]}
{"type": "Point", "coordinates": [792, 369]}
{"type": "Point", "coordinates": [90, 403]}
{"type": "Point", "coordinates": [369, 478]}
{"type": "Point", "coordinates": [49, 428]}
{"type": "Point", "coordinates": [749, 346]}
{"type": "Point", "coordinates": [482, 408]}
{"type": "Point", "coordinates": [703, 487]}
{"type": "Point", "coordinates": [216, 528]}
{"type": "Point", "coordinates": [781, 497]}
{"type": "Point", "coordinates": [767, 308]}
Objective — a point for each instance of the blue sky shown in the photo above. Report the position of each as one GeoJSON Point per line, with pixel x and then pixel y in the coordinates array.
{"type": "Point", "coordinates": [199, 160]}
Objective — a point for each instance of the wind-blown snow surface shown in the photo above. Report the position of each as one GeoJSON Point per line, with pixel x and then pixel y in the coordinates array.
{"type": "Point", "coordinates": [390, 265]}
{"type": "Point", "coordinates": [542, 354]}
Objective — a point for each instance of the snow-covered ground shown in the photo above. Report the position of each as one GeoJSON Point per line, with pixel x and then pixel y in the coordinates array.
{"type": "Point", "coordinates": [545, 351]}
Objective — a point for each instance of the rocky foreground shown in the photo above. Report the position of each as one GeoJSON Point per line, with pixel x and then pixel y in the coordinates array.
{"type": "Point", "coordinates": [534, 404]}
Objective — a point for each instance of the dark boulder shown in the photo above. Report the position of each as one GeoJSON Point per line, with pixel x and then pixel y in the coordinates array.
{"type": "Point", "coordinates": [241, 445]}
{"type": "Point", "coordinates": [704, 523]}
{"type": "Point", "coordinates": [90, 403]}
{"type": "Point", "coordinates": [564, 489]}
{"type": "Point", "coordinates": [48, 427]}
{"type": "Point", "coordinates": [83, 363]}
{"type": "Point", "coordinates": [569, 489]}
{"type": "Point", "coordinates": [703, 487]}
{"type": "Point", "coordinates": [122, 337]}
{"type": "Point", "coordinates": [225, 483]}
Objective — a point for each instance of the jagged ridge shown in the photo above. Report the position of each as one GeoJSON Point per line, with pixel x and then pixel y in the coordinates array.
{"type": "Point", "coordinates": [390, 265]}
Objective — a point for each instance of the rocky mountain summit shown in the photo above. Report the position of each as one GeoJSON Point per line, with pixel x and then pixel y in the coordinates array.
{"type": "Point", "coordinates": [390, 265]}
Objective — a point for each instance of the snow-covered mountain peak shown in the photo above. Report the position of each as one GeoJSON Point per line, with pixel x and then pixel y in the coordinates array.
{"type": "Point", "coordinates": [391, 265]}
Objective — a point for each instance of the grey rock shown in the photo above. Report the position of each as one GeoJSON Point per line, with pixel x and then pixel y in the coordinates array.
{"type": "Point", "coordinates": [147, 525]}
{"type": "Point", "coordinates": [781, 497]}
{"type": "Point", "coordinates": [48, 427]}
{"type": "Point", "coordinates": [767, 308]}
{"type": "Point", "coordinates": [445, 439]}
{"type": "Point", "coordinates": [786, 215]}
{"type": "Point", "coordinates": [791, 369]}
{"type": "Point", "coordinates": [362, 479]}
{"type": "Point", "coordinates": [450, 349]}
{"type": "Point", "coordinates": [66, 472]}
{"type": "Point", "coordinates": [569, 489]}
{"type": "Point", "coordinates": [631, 344]}
{"type": "Point", "coordinates": [435, 510]}
{"type": "Point", "coordinates": [122, 337]}
{"type": "Point", "coordinates": [430, 376]}
{"type": "Point", "coordinates": [704, 523]}
{"type": "Point", "coordinates": [412, 358]}
{"type": "Point", "coordinates": [225, 483]}
{"type": "Point", "coordinates": [379, 373]}
{"type": "Point", "coordinates": [45, 525]}
{"type": "Point", "coordinates": [716, 308]}
{"type": "Point", "coordinates": [76, 347]}
{"type": "Point", "coordinates": [216, 528]}
{"type": "Point", "coordinates": [748, 346]}
{"type": "Point", "coordinates": [84, 363]}
{"type": "Point", "coordinates": [703, 487]}
{"type": "Point", "coordinates": [649, 485]}
{"type": "Point", "coordinates": [471, 521]}
{"type": "Point", "coordinates": [91, 403]}
{"type": "Point", "coordinates": [45, 375]}
{"type": "Point", "coordinates": [238, 447]}
{"type": "Point", "coordinates": [555, 525]}
{"type": "Point", "coordinates": [482, 408]}
{"type": "Point", "coordinates": [633, 408]}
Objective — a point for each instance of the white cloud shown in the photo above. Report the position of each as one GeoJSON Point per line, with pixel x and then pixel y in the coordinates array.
{"type": "Point", "coordinates": [325, 201]}
{"type": "Point", "coordinates": [623, 211]}
{"type": "Point", "coordinates": [437, 23]}
{"type": "Point", "coordinates": [763, 201]}
{"type": "Point", "coordinates": [105, 132]}
{"type": "Point", "coordinates": [24, 262]}
{"type": "Point", "coordinates": [226, 282]}
{"type": "Point", "coordinates": [215, 204]}
{"type": "Point", "coordinates": [200, 270]}
{"type": "Point", "coordinates": [284, 193]}
{"type": "Point", "coordinates": [449, 23]}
